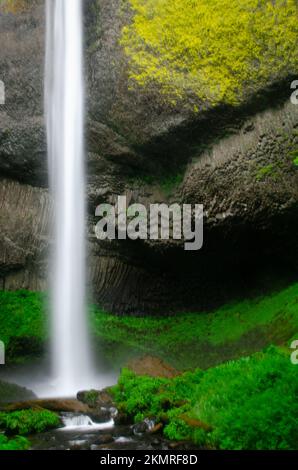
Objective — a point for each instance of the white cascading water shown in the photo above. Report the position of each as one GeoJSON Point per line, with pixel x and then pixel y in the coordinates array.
{"type": "Point", "coordinates": [84, 422]}
{"type": "Point", "coordinates": [64, 100]}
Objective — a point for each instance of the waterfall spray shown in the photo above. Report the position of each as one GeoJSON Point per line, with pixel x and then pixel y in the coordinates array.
{"type": "Point", "coordinates": [64, 99]}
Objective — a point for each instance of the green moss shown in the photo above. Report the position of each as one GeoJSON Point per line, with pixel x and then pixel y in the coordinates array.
{"type": "Point", "coordinates": [28, 421]}
{"type": "Point", "coordinates": [294, 157]}
{"type": "Point", "coordinates": [250, 403]}
{"type": "Point", "coordinates": [23, 326]}
{"type": "Point", "coordinates": [209, 52]}
{"type": "Point", "coordinates": [263, 172]}
{"type": "Point", "coordinates": [146, 397]}
{"type": "Point", "coordinates": [187, 340]}
{"type": "Point", "coordinates": [90, 397]}
{"type": "Point", "coordinates": [201, 339]}
{"type": "Point", "coordinates": [169, 184]}
{"type": "Point", "coordinates": [18, 443]}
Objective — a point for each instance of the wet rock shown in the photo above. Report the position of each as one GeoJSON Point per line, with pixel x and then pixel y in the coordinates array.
{"type": "Point", "coordinates": [122, 418]}
{"type": "Point", "coordinates": [78, 444]}
{"type": "Point", "coordinates": [177, 445]}
{"type": "Point", "coordinates": [156, 428]}
{"type": "Point", "coordinates": [103, 439]}
{"type": "Point", "coordinates": [140, 428]}
{"type": "Point", "coordinates": [100, 415]}
{"type": "Point", "coordinates": [88, 397]}
{"type": "Point", "coordinates": [155, 443]}
{"type": "Point", "coordinates": [96, 398]}
{"type": "Point", "coordinates": [100, 404]}
{"type": "Point", "coordinates": [143, 427]}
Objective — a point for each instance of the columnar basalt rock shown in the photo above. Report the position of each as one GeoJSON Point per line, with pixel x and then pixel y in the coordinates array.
{"type": "Point", "coordinates": [25, 216]}
{"type": "Point", "coordinates": [238, 162]}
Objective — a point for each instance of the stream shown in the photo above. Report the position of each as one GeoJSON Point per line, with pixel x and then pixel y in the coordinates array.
{"type": "Point", "coordinates": [80, 432]}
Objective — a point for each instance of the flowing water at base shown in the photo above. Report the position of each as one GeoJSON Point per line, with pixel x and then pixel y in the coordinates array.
{"type": "Point", "coordinates": [82, 433]}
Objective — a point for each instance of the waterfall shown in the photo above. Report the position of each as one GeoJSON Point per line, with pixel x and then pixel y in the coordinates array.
{"type": "Point", "coordinates": [64, 102]}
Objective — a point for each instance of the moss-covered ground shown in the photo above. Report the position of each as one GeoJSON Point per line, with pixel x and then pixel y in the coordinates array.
{"type": "Point", "coordinates": [187, 340]}
{"type": "Point", "coordinates": [191, 340]}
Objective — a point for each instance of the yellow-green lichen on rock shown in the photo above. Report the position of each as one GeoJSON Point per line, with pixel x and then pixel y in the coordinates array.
{"type": "Point", "coordinates": [15, 6]}
{"type": "Point", "coordinates": [206, 52]}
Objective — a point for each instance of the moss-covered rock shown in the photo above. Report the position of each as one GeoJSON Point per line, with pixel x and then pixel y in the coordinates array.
{"type": "Point", "coordinates": [205, 53]}
{"type": "Point", "coordinates": [96, 398]}
{"type": "Point", "coordinates": [15, 6]}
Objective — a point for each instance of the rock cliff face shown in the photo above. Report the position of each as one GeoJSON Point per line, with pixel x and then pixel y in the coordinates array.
{"type": "Point", "coordinates": [238, 162]}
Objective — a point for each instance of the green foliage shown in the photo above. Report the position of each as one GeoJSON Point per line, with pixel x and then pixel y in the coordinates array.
{"type": "Point", "coordinates": [146, 397]}
{"type": "Point", "coordinates": [18, 443]}
{"type": "Point", "coordinates": [22, 323]}
{"type": "Point", "coordinates": [201, 339]}
{"type": "Point", "coordinates": [28, 421]}
{"type": "Point", "coordinates": [209, 52]}
{"type": "Point", "coordinates": [187, 340]}
{"type": "Point", "coordinates": [250, 403]}
{"type": "Point", "coordinates": [177, 429]}
{"type": "Point", "coordinates": [137, 394]}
